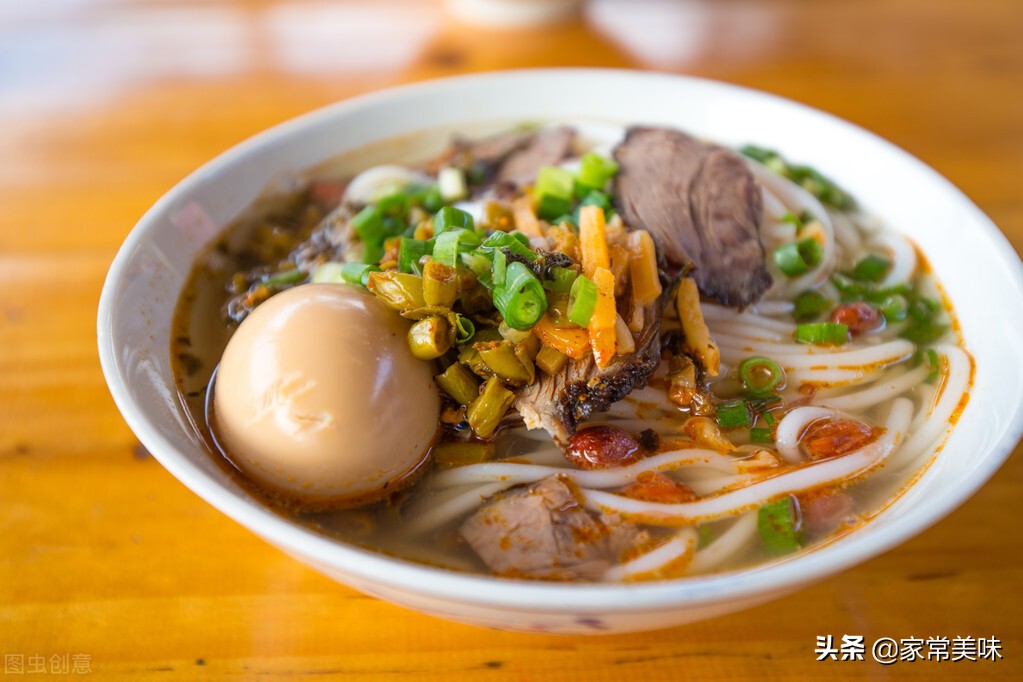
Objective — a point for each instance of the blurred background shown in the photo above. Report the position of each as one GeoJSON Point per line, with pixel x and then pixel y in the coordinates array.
{"type": "Point", "coordinates": [106, 104]}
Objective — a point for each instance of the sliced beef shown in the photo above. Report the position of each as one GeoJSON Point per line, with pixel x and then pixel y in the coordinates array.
{"type": "Point", "coordinates": [702, 206]}
{"type": "Point", "coordinates": [559, 403]}
{"type": "Point", "coordinates": [543, 532]}
{"type": "Point", "coordinates": [507, 159]}
{"type": "Point", "coordinates": [548, 147]}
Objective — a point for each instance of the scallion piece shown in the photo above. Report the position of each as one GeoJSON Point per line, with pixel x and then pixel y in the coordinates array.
{"type": "Point", "coordinates": [796, 258]}
{"type": "Point", "coordinates": [393, 205]}
{"type": "Point", "coordinates": [510, 241]}
{"type": "Point", "coordinates": [521, 301]}
{"type": "Point", "coordinates": [582, 301]}
{"type": "Point", "coordinates": [357, 273]}
{"type": "Point", "coordinates": [762, 436]}
{"type": "Point", "coordinates": [554, 181]}
{"type": "Point", "coordinates": [449, 218]}
{"type": "Point", "coordinates": [369, 225]}
{"type": "Point", "coordinates": [827, 333]}
{"type": "Point", "coordinates": [550, 207]}
{"type": "Point", "coordinates": [500, 268]}
{"type": "Point", "coordinates": [809, 305]}
{"type": "Point", "coordinates": [411, 250]}
{"type": "Point", "coordinates": [449, 244]}
{"type": "Point", "coordinates": [894, 308]}
{"type": "Point", "coordinates": [284, 278]}
{"type": "Point", "coordinates": [595, 170]}
{"type": "Point", "coordinates": [871, 268]}
{"type": "Point", "coordinates": [561, 280]}
{"type": "Point", "coordinates": [733, 414]}
{"type": "Point", "coordinates": [760, 375]}
{"type": "Point", "coordinates": [778, 526]}
{"type": "Point", "coordinates": [594, 198]}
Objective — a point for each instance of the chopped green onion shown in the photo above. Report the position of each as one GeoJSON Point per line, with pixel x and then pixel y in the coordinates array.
{"type": "Point", "coordinates": [550, 207]}
{"type": "Point", "coordinates": [595, 170]}
{"type": "Point", "coordinates": [582, 301]}
{"type": "Point", "coordinates": [357, 273]}
{"type": "Point", "coordinates": [760, 374]}
{"type": "Point", "coordinates": [410, 251]}
{"type": "Point", "coordinates": [871, 268]}
{"type": "Point", "coordinates": [761, 436]}
{"type": "Point", "coordinates": [796, 258]}
{"type": "Point", "coordinates": [511, 241]}
{"type": "Point", "coordinates": [561, 280]}
{"type": "Point", "coordinates": [372, 253]}
{"type": "Point", "coordinates": [451, 183]}
{"type": "Point", "coordinates": [449, 218]}
{"type": "Point", "coordinates": [521, 301]}
{"type": "Point", "coordinates": [769, 418]}
{"type": "Point", "coordinates": [809, 178]}
{"type": "Point", "coordinates": [733, 414]}
{"type": "Point", "coordinates": [500, 268]}
{"type": "Point", "coordinates": [284, 278]}
{"type": "Point", "coordinates": [393, 205]}
{"type": "Point", "coordinates": [925, 332]}
{"type": "Point", "coordinates": [778, 525]}
{"type": "Point", "coordinates": [427, 196]}
{"type": "Point", "coordinates": [809, 305]}
{"type": "Point", "coordinates": [554, 181]}
{"type": "Point", "coordinates": [831, 333]}
{"type": "Point", "coordinates": [369, 225]}
{"type": "Point", "coordinates": [894, 308]}
{"type": "Point", "coordinates": [449, 244]}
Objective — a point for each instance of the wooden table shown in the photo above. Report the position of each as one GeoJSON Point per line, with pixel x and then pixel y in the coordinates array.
{"type": "Point", "coordinates": [108, 564]}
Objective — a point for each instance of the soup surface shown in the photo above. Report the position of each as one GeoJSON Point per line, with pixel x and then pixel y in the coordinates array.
{"type": "Point", "coordinates": [652, 356]}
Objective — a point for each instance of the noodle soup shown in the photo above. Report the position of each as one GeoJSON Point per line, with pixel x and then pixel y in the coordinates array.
{"type": "Point", "coordinates": [635, 381]}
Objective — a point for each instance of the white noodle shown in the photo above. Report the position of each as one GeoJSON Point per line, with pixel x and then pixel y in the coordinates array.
{"type": "Point", "coordinates": [791, 427]}
{"type": "Point", "coordinates": [672, 551]}
{"type": "Point", "coordinates": [897, 383]}
{"type": "Point", "coordinates": [953, 388]}
{"type": "Point", "coordinates": [845, 232]}
{"type": "Point", "coordinates": [726, 546]}
{"type": "Point", "coordinates": [809, 475]}
{"type": "Point", "coordinates": [880, 354]}
{"type": "Point", "coordinates": [903, 258]}
{"type": "Point", "coordinates": [509, 472]}
{"type": "Point", "coordinates": [463, 503]}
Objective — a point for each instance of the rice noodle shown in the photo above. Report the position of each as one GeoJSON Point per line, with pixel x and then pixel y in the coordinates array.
{"type": "Point", "coordinates": [726, 545]}
{"type": "Point", "coordinates": [807, 476]}
{"type": "Point", "coordinates": [791, 427]}
{"type": "Point", "coordinates": [845, 232]}
{"type": "Point", "coordinates": [797, 200]}
{"type": "Point", "coordinates": [796, 357]}
{"type": "Point", "coordinates": [903, 256]}
{"type": "Point", "coordinates": [896, 382]}
{"type": "Point", "coordinates": [673, 551]}
{"type": "Point", "coordinates": [439, 514]}
{"type": "Point", "coordinates": [512, 473]}
{"type": "Point", "coordinates": [953, 387]}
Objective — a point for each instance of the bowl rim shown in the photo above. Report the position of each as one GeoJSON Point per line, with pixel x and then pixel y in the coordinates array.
{"type": "Point", "coordinates": [523, 595]}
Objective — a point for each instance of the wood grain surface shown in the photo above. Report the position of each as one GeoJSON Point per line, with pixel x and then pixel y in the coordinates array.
{"type": "Point", "coordinates": [108, 565]}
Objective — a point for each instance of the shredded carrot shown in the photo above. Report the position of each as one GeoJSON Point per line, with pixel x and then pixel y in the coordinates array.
{"type": "Point", "coordinates": [593, 240]}
{"type": "Point", "coordinates": [603, 337]}
{"type": "Point", "coordinates": [525, 218]}
{"type": "Point", "coordinates": [574, 343]}
{"type": "Point", "coordinates": [646, 286]}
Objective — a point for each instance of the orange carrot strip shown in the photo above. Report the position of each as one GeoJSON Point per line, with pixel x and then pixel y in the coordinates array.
{"type": "Point", "coordinates": [603, 337]}
{"type": "Point", "coordinates": [574, 343]}
{"type": "Point", "coordinates": [593, 239]}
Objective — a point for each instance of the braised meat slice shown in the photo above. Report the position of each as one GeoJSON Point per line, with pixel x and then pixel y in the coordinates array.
{"type": "Point", "coordinates": [702, 206]}
{"type": "Point", "coordinates": [511, 158]}
{"type": "Point", "coordinates": [543, 532]}
{"type": "Point", "coordinates": [559, 403]}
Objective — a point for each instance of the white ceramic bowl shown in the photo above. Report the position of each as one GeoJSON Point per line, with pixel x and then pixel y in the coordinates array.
{"type": "Point", "coordinates": [972, 258]}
